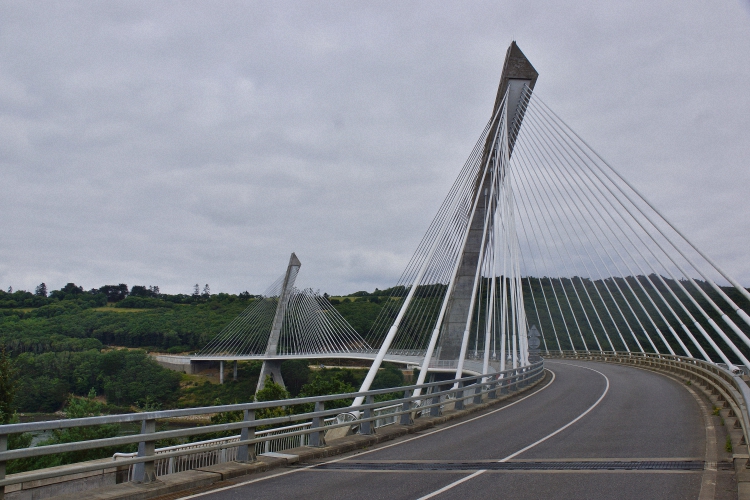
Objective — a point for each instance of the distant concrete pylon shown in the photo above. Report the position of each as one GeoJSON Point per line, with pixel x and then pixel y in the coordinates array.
{"type": "Point", "coordinates": [272, 367]}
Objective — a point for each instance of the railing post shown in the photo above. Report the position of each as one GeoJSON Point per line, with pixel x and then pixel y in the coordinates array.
{"type": "Point", "coordinates": [366, 426]}
{"type": "Point", "coordinates": [504, 384]}
{"type": "Point", "coordinates": [459, 405]}
{"type": "Point", "coordinates": [406, 407]}
{"type": "Point", "coordinates": [243, 453]}
{"type": "Point", "coordinates": [435, 410]}
{"type": "Point", "coordinates": [493, 389]}
{"type": "Point", "coordinates": [144, 471]}
{"type": "Point", "coordinates": [3, 447]}
{"type": "Point", "coordinates": [478, 391]}
{"type": "Point", "coordinates": [316, 437]}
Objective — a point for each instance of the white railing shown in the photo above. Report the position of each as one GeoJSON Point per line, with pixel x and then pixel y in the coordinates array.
{"type": "Point", "coordinates": [278, 440]}
{"type": "Point", "coordinates": [387, 412]}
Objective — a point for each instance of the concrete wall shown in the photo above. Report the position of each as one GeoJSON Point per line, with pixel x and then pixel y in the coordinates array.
{"type": "Point", "coordinates": [175, 363]}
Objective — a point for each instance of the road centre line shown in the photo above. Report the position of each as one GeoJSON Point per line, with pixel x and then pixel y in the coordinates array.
{"type": "Point", "coordinates": [554, 376]}
{"type": "Point", "coordinates": [540, 441]}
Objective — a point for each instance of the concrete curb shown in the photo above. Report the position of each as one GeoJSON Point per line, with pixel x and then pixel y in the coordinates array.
{"type": "Point", "coordinates": [207, 476]}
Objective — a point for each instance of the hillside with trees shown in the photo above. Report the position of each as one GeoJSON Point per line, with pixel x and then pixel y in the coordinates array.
{"type": "Point", "coordinates": [72, 341]}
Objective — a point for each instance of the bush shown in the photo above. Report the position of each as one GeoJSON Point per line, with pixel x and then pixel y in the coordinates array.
{"type": "Point", "coordinates": [124, 376]}
{"type": "Point", "coordinates": [79, 408]}
{"type": "Point", "coordinates": [326, 382]}
{"type": "Point", "coordinates": [295, 373]}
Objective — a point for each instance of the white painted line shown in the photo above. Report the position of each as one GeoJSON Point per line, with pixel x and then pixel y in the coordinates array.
{"type": "Point", "coordinates": [456, 483]}
{"type": "Point", "coordinates": [375, 449]}
{"type": "Point", "coordinates": [579, 417]}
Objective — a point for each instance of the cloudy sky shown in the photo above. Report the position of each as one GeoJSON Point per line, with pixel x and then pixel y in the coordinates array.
{"type": "Point", "coordinates": [174, 143]}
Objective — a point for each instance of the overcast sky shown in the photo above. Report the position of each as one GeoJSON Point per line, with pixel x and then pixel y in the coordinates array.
{"type": "Point", "coordinates": [174, 143]}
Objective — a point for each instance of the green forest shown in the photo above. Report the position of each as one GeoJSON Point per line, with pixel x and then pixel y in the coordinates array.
{"type": "Point", "coordinates": [72, 341]}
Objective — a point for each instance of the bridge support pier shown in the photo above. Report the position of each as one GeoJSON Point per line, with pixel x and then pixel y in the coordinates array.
{"type": "Point", "coordinates": [221, 372]}
{"type": "Point", "coordinates": [235, 370]}
{"type": "Point", "coordinates": [272, 368]}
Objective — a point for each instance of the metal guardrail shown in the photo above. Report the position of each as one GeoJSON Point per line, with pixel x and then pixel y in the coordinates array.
{"type": "Point", "coordinates": [729, 385]}
{"type": "Point", "coordinates": [312, 424]}
{"type": "Point", "coordinates": [277, 440]}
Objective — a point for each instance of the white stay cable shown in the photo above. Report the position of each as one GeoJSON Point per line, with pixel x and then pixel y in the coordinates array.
{"type": "Point", "coordinates": [739, 288]}
{"type": "Point", "coordinates": [558, 164]}
{"type": "Point", "coordinates": [713, 324]}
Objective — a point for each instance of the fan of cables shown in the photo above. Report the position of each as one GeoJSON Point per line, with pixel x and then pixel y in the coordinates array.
{"type": "Point", "coordinates": [565, 243]}
{"type": "Point", "coordinates": [311, 325]}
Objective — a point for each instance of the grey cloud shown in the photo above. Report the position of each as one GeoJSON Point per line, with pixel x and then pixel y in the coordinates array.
{"type": "Point", "coordinates": [173, 143]}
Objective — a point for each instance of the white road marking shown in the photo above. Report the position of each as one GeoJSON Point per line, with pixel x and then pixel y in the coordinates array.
{"type": "Point", "coordinates": [375, 449]}
{"type": "Point", "coordinates": [456, 483]}
{"type": "Point", "coordinates": [579, 417]}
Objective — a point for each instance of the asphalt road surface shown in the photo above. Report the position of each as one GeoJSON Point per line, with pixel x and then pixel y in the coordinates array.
{"type": "Point", "coordinates": [566, 440]}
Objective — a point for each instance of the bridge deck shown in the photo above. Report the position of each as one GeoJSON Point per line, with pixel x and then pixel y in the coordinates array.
{"type": "Point", "coordinates": [471, 366]}
{"type": "Point", "coordinates": [641, 417]}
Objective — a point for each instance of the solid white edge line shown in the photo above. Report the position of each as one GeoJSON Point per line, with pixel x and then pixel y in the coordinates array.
{"type": "Point", "coordinates": [579, 417]}
{"type": "Point", "coordinates": [376, 449]}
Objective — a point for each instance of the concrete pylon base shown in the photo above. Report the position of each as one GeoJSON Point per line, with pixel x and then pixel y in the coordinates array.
{"type": "Point", "coordinates": [270, 367]}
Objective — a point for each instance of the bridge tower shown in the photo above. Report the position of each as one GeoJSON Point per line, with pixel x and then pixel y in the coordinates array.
{"type": "Point", "coordinates": [517, 72]}
{"type": "Point", "coordinates": [272, 366]}
{"type": "Point", "coordinates": [452, 327]}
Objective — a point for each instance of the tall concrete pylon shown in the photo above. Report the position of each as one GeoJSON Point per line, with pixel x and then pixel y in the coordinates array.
{"type": "Point", "coordinates": [272, 367]}
{"type": "Point", "coordinates": [517, 72]}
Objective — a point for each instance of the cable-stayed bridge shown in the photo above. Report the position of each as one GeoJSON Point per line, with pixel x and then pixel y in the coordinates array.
{"type": "Point", "coordinates": [539, 248]}
{"type": "Point", "coordinates": [537, 232]}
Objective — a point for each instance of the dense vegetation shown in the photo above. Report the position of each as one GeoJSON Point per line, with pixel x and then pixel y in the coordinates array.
{"type": "Point", "coordinates": [125, 377]}
{"type": "Point", "coordinates": [70, 341]}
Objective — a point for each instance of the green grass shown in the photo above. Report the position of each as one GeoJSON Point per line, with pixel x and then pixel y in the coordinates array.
{"type": "Point", "coordinates": [118, 309]}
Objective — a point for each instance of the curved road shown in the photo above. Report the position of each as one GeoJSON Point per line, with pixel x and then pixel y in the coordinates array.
{"type": "Point", "coordinates": [589, 412]}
